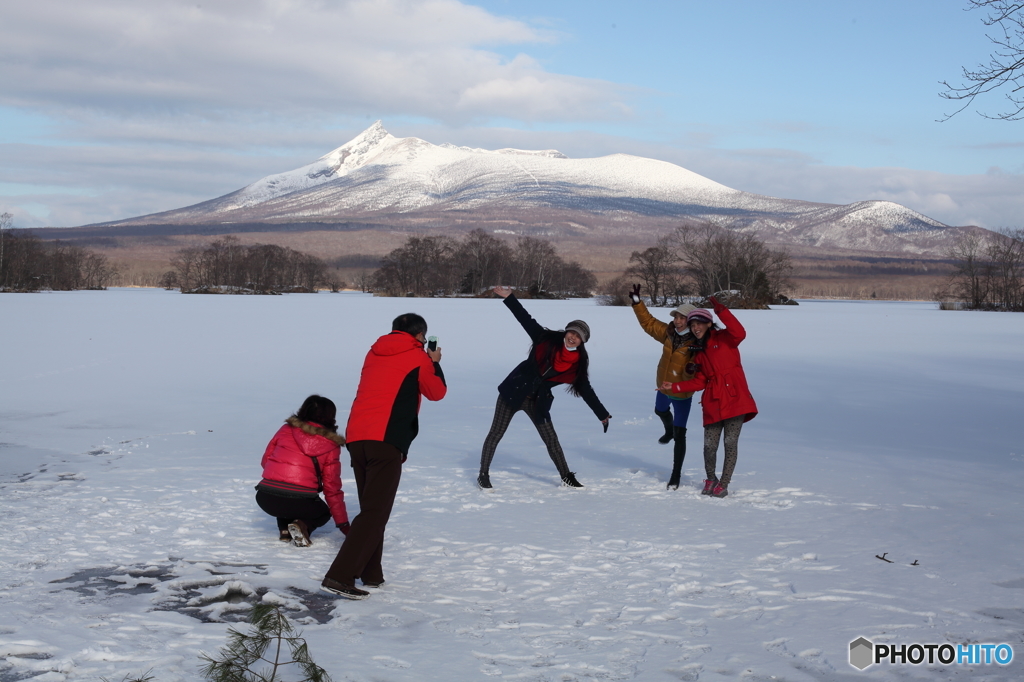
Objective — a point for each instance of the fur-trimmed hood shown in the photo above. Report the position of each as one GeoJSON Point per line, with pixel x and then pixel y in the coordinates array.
{"type": "Point", "coordinates": [312, 429]}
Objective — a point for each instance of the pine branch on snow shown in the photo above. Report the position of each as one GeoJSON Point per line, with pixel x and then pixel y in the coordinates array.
{"type": "Point", "coordinates": [245, 658]}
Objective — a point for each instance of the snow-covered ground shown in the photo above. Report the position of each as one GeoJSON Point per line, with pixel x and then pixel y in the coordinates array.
{"type": "Point", "coordinates": [132, 423]}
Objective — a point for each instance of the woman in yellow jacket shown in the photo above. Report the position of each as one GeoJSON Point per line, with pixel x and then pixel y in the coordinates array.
{"type": "Point", "coordinates": [675, 338]}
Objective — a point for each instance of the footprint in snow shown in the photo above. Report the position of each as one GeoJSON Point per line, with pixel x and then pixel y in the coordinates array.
{"type": "Point", "coordinates": [390, 662]}
{"type": "Point", "coordinates": [388, 620]}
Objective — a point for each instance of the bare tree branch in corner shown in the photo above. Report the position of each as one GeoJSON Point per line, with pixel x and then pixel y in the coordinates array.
{"type": "Point", "coordinates": [1005, 68]}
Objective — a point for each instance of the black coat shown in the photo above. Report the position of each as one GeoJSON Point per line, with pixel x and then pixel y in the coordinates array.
{"type": "Point", "coordinates": [529, 378]}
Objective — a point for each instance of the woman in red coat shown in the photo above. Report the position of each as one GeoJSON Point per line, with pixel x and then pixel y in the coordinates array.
{"type": "Point", "coordinates": [301, 460]}
{"type": "Point", "coordinates": [726, 401]}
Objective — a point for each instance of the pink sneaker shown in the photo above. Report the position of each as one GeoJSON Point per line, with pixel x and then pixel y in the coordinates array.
{"type": "Point", "coordinates": [719, 491]}
{"type": "Point", "coordinates": [709, 486]}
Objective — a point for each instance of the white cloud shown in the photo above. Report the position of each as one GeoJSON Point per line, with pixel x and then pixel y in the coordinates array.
{"type": "Point", "coordinates": [428, 58]}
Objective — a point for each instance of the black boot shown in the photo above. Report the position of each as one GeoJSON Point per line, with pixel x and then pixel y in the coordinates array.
{"type": "Point", "coordinates": [666, 419]}
{"type": "Point", "coordinates": [678, 455]}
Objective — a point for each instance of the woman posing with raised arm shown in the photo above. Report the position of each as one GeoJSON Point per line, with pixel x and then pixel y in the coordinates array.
{"type": "Point", "coordinates": [676, 340]}
{"type": "Point", "coordinates": [556, 357]}
{"type": "Point", "coordinates": [726, 402]}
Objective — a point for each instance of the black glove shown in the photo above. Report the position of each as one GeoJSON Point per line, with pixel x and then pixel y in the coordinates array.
{"type": "Point", "coordinates": [634, 295]}
{"type": "Point", "coordinates": [606, 426]}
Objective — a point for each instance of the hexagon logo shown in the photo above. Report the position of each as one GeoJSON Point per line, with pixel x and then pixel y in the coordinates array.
{"type": "Point", "coordinates": [862, 653]}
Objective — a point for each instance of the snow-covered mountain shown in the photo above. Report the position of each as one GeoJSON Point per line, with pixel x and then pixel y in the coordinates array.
{"type": "Point", "coordinates": [379, 179]}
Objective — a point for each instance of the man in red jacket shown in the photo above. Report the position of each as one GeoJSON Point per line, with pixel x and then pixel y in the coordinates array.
{"type": "Point", "coordinates": [381, 426]}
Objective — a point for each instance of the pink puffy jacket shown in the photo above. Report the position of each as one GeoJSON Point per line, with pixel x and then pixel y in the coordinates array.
{"type": "Point", "coordinates": [289, 470]}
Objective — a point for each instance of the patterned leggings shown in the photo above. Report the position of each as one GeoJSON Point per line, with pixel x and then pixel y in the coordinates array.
{"type": "Point", "coordinates": [712, 434]}
{"type": "Point", "coordinates": [503, 416]}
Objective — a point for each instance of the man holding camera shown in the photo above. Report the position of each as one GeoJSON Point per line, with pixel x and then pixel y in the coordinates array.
{"type": "Point", "coordinates": [381, 426]}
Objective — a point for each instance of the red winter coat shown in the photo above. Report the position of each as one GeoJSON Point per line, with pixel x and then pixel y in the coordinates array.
{"type": "Point", "coordinates": [289, 471]}
{"type": "Point", "coordinates": [721, 375]}
{"type": "Point", "coordinates": [396, 372]}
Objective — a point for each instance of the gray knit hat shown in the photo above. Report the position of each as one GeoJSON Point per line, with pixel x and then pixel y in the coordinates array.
{"type": "Point", "coordinates": [581, 328]}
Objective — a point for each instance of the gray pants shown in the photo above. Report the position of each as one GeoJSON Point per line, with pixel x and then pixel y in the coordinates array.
{"type": "Point", "coordinates": [503, 416]}
{"type": "Point", "coordinates": [712, 434]}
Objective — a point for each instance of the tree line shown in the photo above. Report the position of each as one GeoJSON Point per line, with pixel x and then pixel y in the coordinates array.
{"type": "Point", "coordinates": [228, 266]}
{"type": "Point", "coordinates": [29, 264]}
{"type": "Point", "coordinates": [699, 260]}
{"type": "Point", "coordinates": [447, 266]}
{"type": "Point", "coordinates": [989, 272]}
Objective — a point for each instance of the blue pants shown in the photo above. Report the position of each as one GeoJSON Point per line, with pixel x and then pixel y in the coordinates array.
{"type": "Point", "coordinates": [681, 408]}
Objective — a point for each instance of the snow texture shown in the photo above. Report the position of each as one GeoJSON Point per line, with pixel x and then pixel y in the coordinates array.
{"type": "Point", "coordinates": [132, 423]}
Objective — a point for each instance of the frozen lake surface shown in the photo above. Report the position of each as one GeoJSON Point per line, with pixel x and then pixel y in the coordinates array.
{"type": "Point", "coordinates": [132, 424]}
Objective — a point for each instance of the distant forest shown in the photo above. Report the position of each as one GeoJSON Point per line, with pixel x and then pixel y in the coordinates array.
{"type": "Point", "coordinates": [446, 266]}
{"type": "Point", "coordinates": [230, 267]}
{"type": "Point", "coordinates": [30, 264]}
{"type": "Point", "coordinates": [989, 273]}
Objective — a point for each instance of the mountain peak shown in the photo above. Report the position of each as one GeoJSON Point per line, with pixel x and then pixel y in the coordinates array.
{"type": "Point", "coordinates": [359, 146]}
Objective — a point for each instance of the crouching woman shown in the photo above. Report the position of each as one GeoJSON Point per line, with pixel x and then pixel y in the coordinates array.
{"type": "Point", "coordinates": [301, 461]}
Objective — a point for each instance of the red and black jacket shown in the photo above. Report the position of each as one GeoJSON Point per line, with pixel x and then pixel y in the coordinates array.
{"type": "Point", "coordinates": [396, 372]}
{"type": "Point", "coordinates": [536, 375]}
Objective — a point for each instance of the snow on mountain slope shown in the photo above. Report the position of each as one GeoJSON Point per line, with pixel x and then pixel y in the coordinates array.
{"type": "Point", "coordinates": [379, 178]}
{"type": "Point", "coordinates": [409, 174]}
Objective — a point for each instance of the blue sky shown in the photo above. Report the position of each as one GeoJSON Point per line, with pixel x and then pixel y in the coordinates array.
{"type": "Point", "coordinates": [115, 108]}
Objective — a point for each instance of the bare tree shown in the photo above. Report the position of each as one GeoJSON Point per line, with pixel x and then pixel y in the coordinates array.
{"type": "Point", "coordinates": [423, 266]}
{"type": "Point", "coordinates": [1006, 253]}
{"type": "Point", "coordinates": [97, 271]}
{"type": "Point", "coordinates": [1005, 68]}
{"type": "Point", "coordinates": [170, 280]}
{"type": "Point", "coordinates": [312, 272]}
{"type": "Point", "coordinates": [989, 272]}
{"type": "Point", "coordinates": [969, 282]}
{"type": "Point", "coordinates": [716, 259]}
{"type": "Point", "coordinates": [65, 266]}
{"type": "Point", "coordinates": [187, 263]}
{"type": "Point", "coordinates": [533, 263]}
{"type": "Point", "coordinates": [483, 260]}
{"type": "Point", "coordinates": [25, 263]}
{"type": "Point", "coordinates": [364, 280]}
{"type": "Point", "coordinates": [654, 267]}
{"type": "Point", "coordinates": [6, 220]}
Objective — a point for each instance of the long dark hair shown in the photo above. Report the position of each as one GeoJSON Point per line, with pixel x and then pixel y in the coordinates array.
{"type": "Point", "coordinates": [319, 410]}
{"type": "Point", "coordinates": [697, 345]}
{"type": "Point", "coordinates": [555, 340]}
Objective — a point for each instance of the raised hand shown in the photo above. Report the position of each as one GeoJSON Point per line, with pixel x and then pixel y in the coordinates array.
{"type": "Point", "coordinates": [634, 294]}
{"type": "Point", "coordinates": [503, 291]}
